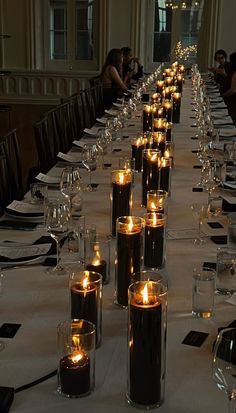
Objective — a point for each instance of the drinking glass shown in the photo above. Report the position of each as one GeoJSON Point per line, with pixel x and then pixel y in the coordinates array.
{"type": "Point", "coordinates": [70, 185]}
{"type": "Point", "coordinates": [102, 144]}
{"type": "Point", "coordinates": [224, 365]}
{"type": "Point", "coordinates": [57, 220]}
{"type": "Point", "coordinates": [2, 344]}
{"type": "Point", "coordinates": [200, 212]}
{"type": "Point", "coordinates": [89, 160]}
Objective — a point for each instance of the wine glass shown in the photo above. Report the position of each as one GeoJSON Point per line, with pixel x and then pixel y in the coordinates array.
{"type": "Point", "coordinates": [200, 212]}
{"type": "Point", "coordinates": [89, 160]}
{"type": "Point", "coordinates": [2, 344]}
{"type": "Point", "coordinates": [224, 365]}
{"type": "Point", "coordinates": [57, 216]}
{"type": "Point", "coordinates": [102, 144]}
{"type": "Point", "coordinates": [70, 186]}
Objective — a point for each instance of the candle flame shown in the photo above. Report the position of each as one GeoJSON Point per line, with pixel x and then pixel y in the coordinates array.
{"type": "Point", "coordinates": [121, 178]}
{"type": "Point", "coordinates": [163, 162]}
{"type": "Point", "coordinates": [130, 224]}
{"type": "Point", "coordinates": [85, 280]}
{"type": "Point", "coordinates": [167, 153]}
{"type": "Point", "coordinates": [144, 293]}
{"type": "Point", "coordinates": [97, 257]}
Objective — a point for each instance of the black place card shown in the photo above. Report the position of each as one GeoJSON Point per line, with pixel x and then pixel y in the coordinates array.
{"type": "Point", "coordinates": [116, 150]}
{"type": "Point", "coordinates": [197, 166]}
{"type": "Point", "coordinates": [94, 185]}
{"type": "Point", "coordinates": [215, 225]}
{"type": "Point", "coordinates": [208, 264]}
{"type": "Point", "coordinates": [197, 189]}
{"type": "Point", "coordinates": [195, 338]}
{"type": "Point", "coordinates": [194, 138]}
{"type": "Point", "coordinates": [107, 165]}
{"type": "Point", "coordinates": [125, 136]}
{"type": "Point", "coordinates": [9, 330]}
{"type": "Point", "coordinates": [193, 126]}
{"type": "Point", "coordinates": [195, 151]}
{"type": "Point", "coordinates": [219, 239]}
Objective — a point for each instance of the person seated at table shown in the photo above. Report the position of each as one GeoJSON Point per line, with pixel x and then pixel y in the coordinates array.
{"type": "Point", "coordinates": [111, 78]}
{"type": "Point", "coordinates": [221, 71]}
{"type": "Point", "coordinates": [230, 95]}
{"type": "Point", "coordinates": [132, 68]}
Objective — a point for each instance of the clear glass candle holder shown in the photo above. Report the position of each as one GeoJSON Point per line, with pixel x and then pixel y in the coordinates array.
{"type": "Point", "coordinates": [157, 201]}
{"type": "Point", "coordinates": [146, 344]}
{"type": "Point", "coordinates": [86, 298]}
{"type": "Point", "coordinates": [129, 255]}
{"type": "Point", "coordinates": [154, 240]}
{"type": "Point", "coordinates": [151, 172]}
{"type": "Point", "coordinates": [98, 256]}
{"type": "Point", "coordinates": [138, 145]}
{"type": "Point", "coordinates": [121, 195]}
{"type": "Point", "coordinates": [165, 175]}
{"type": "Point", "coordinates": [76, 351]}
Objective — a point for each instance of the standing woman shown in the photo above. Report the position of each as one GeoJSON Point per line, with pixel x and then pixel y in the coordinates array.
{"type": "Point", "coordinates": [230, 94]}
{"type": "Point", "coordinates": [113, 85]}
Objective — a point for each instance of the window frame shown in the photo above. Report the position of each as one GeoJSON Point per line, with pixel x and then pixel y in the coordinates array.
{"type": "Point", "coordinates": [71, 63]}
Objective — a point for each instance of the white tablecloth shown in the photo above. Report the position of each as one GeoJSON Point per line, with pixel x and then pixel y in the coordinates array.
{"type": "Point", "coordinates": [39, 302]}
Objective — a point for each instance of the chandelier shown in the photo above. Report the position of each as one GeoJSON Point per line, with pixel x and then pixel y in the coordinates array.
{"type": "Point", "coordinates": [178, 4]}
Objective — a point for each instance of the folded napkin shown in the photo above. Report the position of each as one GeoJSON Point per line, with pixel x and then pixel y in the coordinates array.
{"type": "Point", "coordinates": [47, 179]}
{"type": "Point", "coordinates": [13, 254]}
{"type": "Point", "coordinates": [92, 131]}
{"type": "Point", "coordinates": [102, 120]}
{"type": "Point", "coordinates": [111, 112]}
{"type": "Point", "coordinates": [24, 209]}
{"type": "Point", "coordinates": [79, 144]}
{"type": "Point", "coordinates": [69, 158]}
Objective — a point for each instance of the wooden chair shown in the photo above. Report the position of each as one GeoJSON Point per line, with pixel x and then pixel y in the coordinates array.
{"type": "Point", "coordinates": [44, 144]}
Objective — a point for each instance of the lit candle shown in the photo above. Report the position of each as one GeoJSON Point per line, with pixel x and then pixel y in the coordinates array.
{"type": "Point", "coordinates": [181, 68]}
{"type": "Point", "coordinates": [128, 254]}
{"type": "Point", "coordinates": [179, 81]}
{"type": "Point", "coordinates": [150, 175]}
{"type": "Point", "coordinates": [159, 85]}
{"type": "Point", "coordinates": [98, 264]}
{"type": "Point", "coordinates": [156, 97]}
{"type": "Point", "coordinates": [159, 125]}
{"type": "Point", "coordinates": [159, 141]}
{"type": "Point", "coordinates": [121, 196]}
{"type": "Point", "coordinates": [146, 363]}
{"type": "Point", "coordinates": [85, 299]}
{"type": "Point", "coordinates": [138, 145]}
{"type": "Point", "coordinates": [165, 173]}
{"type": "Point", "coordinates": [176, 107]}
{"type": "Point", "coordinates": [169, 80]}
{"type": "Point", "coordinates": [167, 110]}
{"type": "Point", "coordinates": [147, 118]}
{"type": "Point", "coordinates": [74, 374]}
{"type": "Point", "coordinates": [154, 250]}
{"type": "Point", "coordinates": [166, 92]}
{"type": "Point", "coordinates": [168, 128]}
{"type": "Point", "coordinates": [157, 201]}
{"type": "Point", "coordinates": [169, 152]}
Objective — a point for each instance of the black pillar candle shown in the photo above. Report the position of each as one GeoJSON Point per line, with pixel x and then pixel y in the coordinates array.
{"type": "Point", "coordinates": [165, 174]}
{"type": "Point", "coordinates": [154, 240]}
{"type": "Point", "coordinates": [159, 141]}
{"type": "Point", "coordinates": [86, 300]}
{"type": "Point", "coordinates": [179, 83]}
{"type": "Point", "coordinates": [176, 107]}
{"type": "Point", "coordinates": [138, 145]}
{"type": "Point", "coordinates": [159, 86]}
{"type": "Point", "coordinates": [128, 255]}
{"type": "Point", "coordinates": [74, 374]}
{"type": "Point", "coordinates": [168, 131]}
{"type": "Point", "coordinates": [167, 110]}
{"type": "Point", "coordinates": [159, 125]}
{"type": "Point", "coordinates": [150, 175]}
{"type": "Point", "coordinates": [147, 118]}
{"type": "Point", "coordinates": [121, 195]}
{"type": "Point", "coordinates": [145, 364]}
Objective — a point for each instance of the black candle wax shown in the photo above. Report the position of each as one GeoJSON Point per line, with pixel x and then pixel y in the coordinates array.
{"type": "Point", "coordinates": [128, 262]}
{"type": "Point", "coordinates": [145, 354]}
{"type": "Point", "coordinates": [120, 202]}
{"type": "Point", "coordinates": [75, 375]}
{"type": "Point", "coordinates": [168, 134]}
{"type": "Point", "coordinates": [137, 154]}
{"type": "Point", "coordinates": [150, 178]}
{"type": "Point", "coordinates": [167, 113]}
{"type": "Point", "coordinates": [84, 303]}
{"type": "Point", "coordinates": [100, 268]}
{"type": "Point", "coordinates": [154, 246]}
{"type": "Point", "coordinates": [165, 178]}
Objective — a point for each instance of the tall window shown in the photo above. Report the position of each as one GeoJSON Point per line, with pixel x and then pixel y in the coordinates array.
{"type": "Point", "coordinates": [162, 32]}
{"type": "Point", "coordinates": [73, 26]}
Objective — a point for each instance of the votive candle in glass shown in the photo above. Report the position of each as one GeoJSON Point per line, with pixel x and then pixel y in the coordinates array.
{"type": "Point", "coordinates": [159, 86]}
{"type": "Point", "coordinates": [169, 152]}
{"type": "Point", "coordinates": [121, 195]}
{"type": "Point", "coordinates": [129, 254]}
{"type": "Point", "coordinates": [154, 240]}
{"type": "Point", "coordinates": [157, 201]}
{"type": "Point", "coordinates": [97, 257]}
{"type": "Point", "coordinates": [168, 129]}
{"type": "Point", "coordinates": [138, 145]}
{"type": "Point", "coordinates": [167, 110]}
{"type": "Point", "coordinates": [179, 83]}
{"type": "Point", "coordinates": [151, 174]}
{"type": "Point", "coordinates": [176, 107]}
{"type": "Point", "coordinates": [159, 141]}
{"type": "Point", "coordinates": [86, 298]}
{"type": "Point", "coordinates": [159, 125]}
{"type": "Point", "coordinates": [146, 343]}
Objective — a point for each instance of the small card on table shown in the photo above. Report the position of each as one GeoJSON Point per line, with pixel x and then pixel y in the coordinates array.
{"type": "Point", "coordinates": [195, 338]}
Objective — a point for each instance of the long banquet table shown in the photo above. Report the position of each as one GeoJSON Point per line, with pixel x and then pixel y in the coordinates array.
{"type": "Point", "coordinates": [40, 301]}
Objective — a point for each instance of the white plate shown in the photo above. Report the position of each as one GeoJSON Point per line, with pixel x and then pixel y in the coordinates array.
{"type": "Point", "coordinates": [37, 260]}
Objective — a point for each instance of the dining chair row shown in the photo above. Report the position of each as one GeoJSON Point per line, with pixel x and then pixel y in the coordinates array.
{"type": "Point", "coordinates": [11, 182]}
{"type": "Point", "coordinates": [60, 126]}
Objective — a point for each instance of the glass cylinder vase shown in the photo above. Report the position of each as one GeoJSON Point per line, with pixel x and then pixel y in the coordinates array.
{"type": "Point", "coordinates": [151, 172]}
{"type": "Point", "coordinates": [121, 195]}
{"type": "Point", "coordinates": [154, 240]}
{"type": "Point", "coordinates": [146, 344]}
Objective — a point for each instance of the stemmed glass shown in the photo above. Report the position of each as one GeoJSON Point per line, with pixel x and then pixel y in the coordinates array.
{"type": "Point", "coordinates": [2, 344]}
{"type": "Point", "coordinates": [224, 365]}
{"type": "Point", "coordinates": [102, 144]}
{"type": "Point", "coordinates": [200, 212]}
{"type": "Point", "coordinates": [57, 216]}
{"type": "Point", "coordinates": [70, 186]}
{"type": "Point", "coordinates": [89, 160]}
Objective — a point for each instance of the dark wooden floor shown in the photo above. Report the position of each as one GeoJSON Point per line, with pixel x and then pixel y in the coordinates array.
{"type": "Point", "coordinates": [22, 117]}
